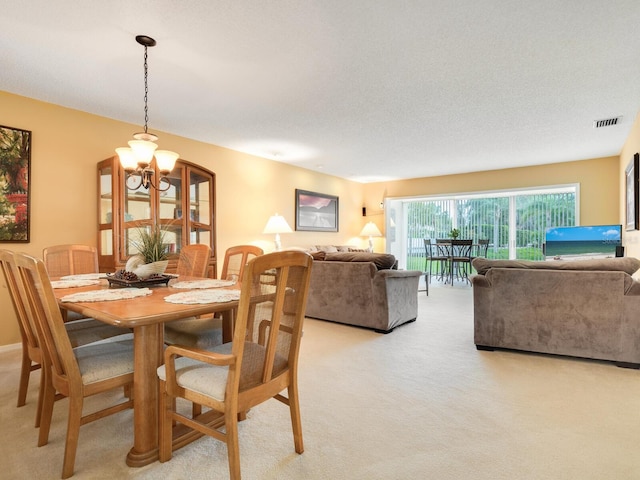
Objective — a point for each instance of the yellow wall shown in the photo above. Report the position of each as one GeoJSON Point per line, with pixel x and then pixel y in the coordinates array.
{"type": "Point", "coordinates": [598, 180]}
{"type": "Point", "coordinates": [631, 239]}
{"type": "Point", "coordinates": [67, 144]}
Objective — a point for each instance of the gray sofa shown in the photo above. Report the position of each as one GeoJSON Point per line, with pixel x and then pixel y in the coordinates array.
{"type": "Point", "coordinates": [362, 289]}
{"type": "Point", "coordinates": [582, 308]}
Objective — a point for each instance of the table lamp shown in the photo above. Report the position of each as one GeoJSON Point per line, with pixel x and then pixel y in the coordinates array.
{"type": "Point", "coordinates": [277, 224]}
{"type": "Point", "coordinates": [370, 230]}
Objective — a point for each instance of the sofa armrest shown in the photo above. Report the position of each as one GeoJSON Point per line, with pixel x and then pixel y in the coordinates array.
{"type": "Point", "coordinates": [395, 295]}
{"type": "Point", "coordinates": [399, 273]}
{"type": "Point", "coordinates": [480, 281]}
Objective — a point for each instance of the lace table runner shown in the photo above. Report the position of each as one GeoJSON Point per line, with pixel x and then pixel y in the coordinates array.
{"type": "Point", "coordinates": [73, 283]}
{"type": "Point", "coordinates": [206, 283]}
{"type": "Point", "coordinates": [84, 276]}
{"type": "Point", "coordinates": [204, 296]}
{"type": "Point", "coordinates": [106, 295]}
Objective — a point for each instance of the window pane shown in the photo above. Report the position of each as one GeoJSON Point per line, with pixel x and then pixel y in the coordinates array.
{"type": "Point", "coordinates": [481, 217]}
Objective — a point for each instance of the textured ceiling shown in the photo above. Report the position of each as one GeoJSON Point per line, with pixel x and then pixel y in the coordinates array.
{"type": "Point", "coordinates": [368, 90]}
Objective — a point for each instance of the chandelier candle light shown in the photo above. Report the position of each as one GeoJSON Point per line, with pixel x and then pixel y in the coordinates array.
{"type": "Point", "coordinates": [370, 230]}
{"type": "Point", "coordinates": [136, 158]}
{"type": "Point", "coordinates": [277, 224]}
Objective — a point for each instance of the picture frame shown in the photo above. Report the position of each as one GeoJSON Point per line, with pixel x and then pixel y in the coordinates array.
{"type": "Point", "coordinates": [316, 212]}
{"type": "Point", "coordinates": [15, 191]}
{"type": "Point", "coordinates": [631, 202]}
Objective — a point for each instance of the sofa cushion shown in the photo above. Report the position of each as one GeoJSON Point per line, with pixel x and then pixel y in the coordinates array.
{"type": "Point", "coordinates": [628, 265]}
{"type": "Point", "coordinates": [327, 248]}
{"type": "Point", "coordinates": [318, 255]}
{"type": "Point", "coordinates": [382, 261]}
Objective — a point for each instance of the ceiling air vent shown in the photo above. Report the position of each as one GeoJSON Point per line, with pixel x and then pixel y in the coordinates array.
{"type": "Point", "coordinates": [607, 122]}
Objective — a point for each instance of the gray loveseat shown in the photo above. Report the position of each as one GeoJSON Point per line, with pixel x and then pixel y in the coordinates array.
{"type": "Point", "coordinates": [362, 289]}
{"type": "Point", "coordinates": [583, 308]}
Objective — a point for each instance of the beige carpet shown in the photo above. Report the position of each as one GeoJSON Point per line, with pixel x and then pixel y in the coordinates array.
{"type": "Point", "coordinates": [419, 403]}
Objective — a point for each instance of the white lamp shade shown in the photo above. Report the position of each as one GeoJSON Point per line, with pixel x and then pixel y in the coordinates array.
{"type": "Point", "coordinates": [127, 158]}
{"type": "Point", "coordinates": [166, 160]}
{"type": "Point", "coordinates": [277, 224]}
{"type": "Point", "coordinates": [370, 230]}
{"type": "Point", "coordinates": [143, 150]}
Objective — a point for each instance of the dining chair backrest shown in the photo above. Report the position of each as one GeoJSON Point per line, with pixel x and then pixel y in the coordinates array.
{"type": "Point", "coordinates": [27, 329]}
{"type": "Point", "coordinates": [482, 248]}
{"type": "Point", "coordinates": [270, 314]}
{"type": "Point", "coordinates": [461, 248]}
{"type": "Point", "coordinates": [31, 351]}
{"type": "Point", "coordinates": [52, 335]}
{"type": "Point", "coordinates": [236, 258]}
{"type": "Point", "coordinates": [428, 248]}
{"type": "Point", "coordinates": [435, 249]}
{"type": "Point", "coordinates": [62, 260]}
{"type": "Point", "coordinates": [443, 247]}
{"type": "Point", "coordinates": [194, 260]}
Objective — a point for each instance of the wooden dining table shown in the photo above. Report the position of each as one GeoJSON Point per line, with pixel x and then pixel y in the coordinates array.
{"type": "Point", "coordinates": [146, 316]}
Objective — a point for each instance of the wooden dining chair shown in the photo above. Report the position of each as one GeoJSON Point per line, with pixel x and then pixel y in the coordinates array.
{"type": "Point", "coordinates": [80, 333]}
{"type": "Point", "coordinates": [236, 258]}
{"type": "Point", "coordinates": [75, 373]}
{"type": "Point", "coordinates": [260, 362]}
{"type": "Point", "coordinates": [206, 332]}
{"type": "Point", "coordinates": [31, 351]}
{"type": "Point", "coordinates": [61, 260]}
{"type": "Point", "coordinates": [194, 260]}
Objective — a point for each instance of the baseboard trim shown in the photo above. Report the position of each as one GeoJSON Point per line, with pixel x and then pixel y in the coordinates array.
{"type": "Point", "coordinates": [11, 347]}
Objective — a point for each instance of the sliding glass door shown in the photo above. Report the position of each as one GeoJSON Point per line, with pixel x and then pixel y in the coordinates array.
{"type": "Point", "coordinates": [514, 222]}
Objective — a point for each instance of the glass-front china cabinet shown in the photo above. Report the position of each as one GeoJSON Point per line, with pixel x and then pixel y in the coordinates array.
{"type": "Point", "coordinates": [185, 210]}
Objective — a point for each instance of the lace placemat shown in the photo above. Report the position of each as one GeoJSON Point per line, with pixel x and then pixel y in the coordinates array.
{"type": "Point", "coordinates": [204, 296]}
{"type": "Point", "coordinates": [206, 283]}
{"type": "Point", "coordinates": [73, 283]}
{"type": "Point", "coordinates": [106, 295]}
{"type": "Point", "coordinates": [84, 276]}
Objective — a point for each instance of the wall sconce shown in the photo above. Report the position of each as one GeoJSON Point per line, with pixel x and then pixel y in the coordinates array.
{"type": "Point", "coordinates": [277, 224]}
{"type": "Point", "coordinates": [136, 158]}
{"type": "Point", "coordinates": [370, 230]}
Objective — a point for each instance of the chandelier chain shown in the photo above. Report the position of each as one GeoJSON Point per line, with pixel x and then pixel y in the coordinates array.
{"type": "Point", "coordinates": [146, 90]}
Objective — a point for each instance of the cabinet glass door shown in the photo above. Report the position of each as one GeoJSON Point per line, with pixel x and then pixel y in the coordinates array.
{"type": "Point", "coordinates": [199, 199]}
{"type": "Point", "coordinates": [171, 212]}
{"type": "Point", "coordinates": [105, 209]}
{"type": "Point", "coordinates": [137, 204]}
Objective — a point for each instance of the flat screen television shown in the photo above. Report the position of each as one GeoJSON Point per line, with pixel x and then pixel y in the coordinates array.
{"type": "Point", "coordinates": [574, 243]}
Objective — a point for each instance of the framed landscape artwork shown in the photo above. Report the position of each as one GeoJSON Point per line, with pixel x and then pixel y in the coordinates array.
{"type": "Point", "coordinates": [631, 174]}
{"type": "Point", "coordinates": [316, 212]}
{"type": "Point", "coordinates": [15, 164]}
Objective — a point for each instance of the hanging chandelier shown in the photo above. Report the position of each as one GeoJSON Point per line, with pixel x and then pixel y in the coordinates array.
{"type": "Point", "coordinates": [136, 158]}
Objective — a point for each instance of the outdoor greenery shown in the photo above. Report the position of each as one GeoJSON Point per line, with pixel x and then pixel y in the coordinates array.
{"type": "Point", "coordinates": [488, 218]}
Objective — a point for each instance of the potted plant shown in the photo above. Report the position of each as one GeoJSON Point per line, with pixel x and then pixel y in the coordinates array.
{"type": "Point", "coordinates": [152, 257]}
{"type": "Point", "coordinates": [454, 233]}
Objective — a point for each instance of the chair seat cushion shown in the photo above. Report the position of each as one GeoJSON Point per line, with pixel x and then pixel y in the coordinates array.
{"type": "Point", "coordinates": [204, 333]}
{"type": "Point", "coordinates": [88, 330]}
{"type": "Point", "coordinates": [211, 380]}
{"type": "Point", "coordinates": [105, 359]}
